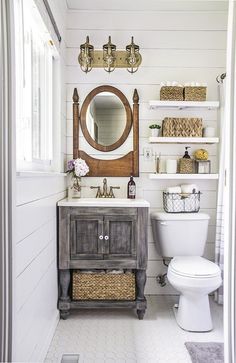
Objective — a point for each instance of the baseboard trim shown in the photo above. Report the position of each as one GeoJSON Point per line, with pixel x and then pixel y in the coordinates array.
{"type": "Point", "coordinates": [40, 353]}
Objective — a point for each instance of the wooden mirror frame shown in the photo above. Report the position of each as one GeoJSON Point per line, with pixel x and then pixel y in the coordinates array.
{"type": "Point", "coordinates": [83, 122]}
{"type": "Point", "coordinates": [124, 166]}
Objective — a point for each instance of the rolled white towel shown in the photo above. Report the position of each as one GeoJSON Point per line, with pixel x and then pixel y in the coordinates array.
{"type": "Point", "coordinates": [173, 189]}
{"type": "Point", "coordinates": [189, 188]}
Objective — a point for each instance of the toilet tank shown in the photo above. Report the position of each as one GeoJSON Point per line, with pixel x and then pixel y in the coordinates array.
{"type": "Point", "coordinates": [179, 234]}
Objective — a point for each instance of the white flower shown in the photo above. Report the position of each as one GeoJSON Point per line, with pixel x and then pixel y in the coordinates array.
{"type": "Point", "coordinates": [81, 168]}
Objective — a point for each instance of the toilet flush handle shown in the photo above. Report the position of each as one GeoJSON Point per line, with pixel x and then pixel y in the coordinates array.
{"type": "Point", "coordinates": [163, 223]}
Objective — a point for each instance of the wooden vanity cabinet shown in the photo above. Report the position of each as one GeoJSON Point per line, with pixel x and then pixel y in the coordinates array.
{"type": "Point", "coordinates": [102, 238]}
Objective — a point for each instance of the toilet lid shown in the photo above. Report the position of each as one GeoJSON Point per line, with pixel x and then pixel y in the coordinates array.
{"type": "Point", "coordinates": [194, 266]}
{"type": "Point", "coordinates": [163, 216]}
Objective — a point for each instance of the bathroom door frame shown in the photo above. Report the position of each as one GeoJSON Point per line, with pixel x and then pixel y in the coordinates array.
{"type": "Point", "coordinates": [7, 178]}
{"type": "Point", "coordinates": [230, 196]}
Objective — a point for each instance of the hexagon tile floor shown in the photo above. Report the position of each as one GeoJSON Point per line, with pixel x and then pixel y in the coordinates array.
{"type": "Point", "coordinates": [117, 336]}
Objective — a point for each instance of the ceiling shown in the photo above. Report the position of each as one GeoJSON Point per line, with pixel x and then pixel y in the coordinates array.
{"type": "Point", "coordinates": [149, 5]}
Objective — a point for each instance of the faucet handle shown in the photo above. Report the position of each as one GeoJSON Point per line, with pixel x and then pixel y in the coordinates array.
{"type": "Point", "coordinates": [99, 194]}
{"type": "Point", "coordinates": [111, 193]}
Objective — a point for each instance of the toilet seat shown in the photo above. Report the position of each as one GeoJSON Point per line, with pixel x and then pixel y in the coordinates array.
{"type": "Point", "coordinates": [194, 267]}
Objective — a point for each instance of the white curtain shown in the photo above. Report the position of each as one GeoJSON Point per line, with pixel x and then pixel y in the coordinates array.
{"type": "Point", "coordinates": [219, 242]}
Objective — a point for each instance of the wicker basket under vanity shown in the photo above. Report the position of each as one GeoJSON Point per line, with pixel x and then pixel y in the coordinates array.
{"type": "Point", "coordinates": [182, 127]}
{"type": "Point", "coordinates": [195, 93]}
{"type": "Point", "coordinates": [171, 93]}
{"type": "Point", "coordinates": [95, 286]}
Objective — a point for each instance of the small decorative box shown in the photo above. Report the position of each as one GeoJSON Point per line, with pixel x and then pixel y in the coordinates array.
{"type": "Point", "coordinates": [203, 166]}
{"type": "Point", "coordinates": [195, 93]}
{"type": "Point", "coordinates": [171, 93]}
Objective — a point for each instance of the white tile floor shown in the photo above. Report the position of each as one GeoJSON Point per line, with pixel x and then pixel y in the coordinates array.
{"type": "Point", "coordinates": [117, 336]}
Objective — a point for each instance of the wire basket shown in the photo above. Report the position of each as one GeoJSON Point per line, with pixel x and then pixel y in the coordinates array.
{"type": "Point", "coordinates": [181, 202]}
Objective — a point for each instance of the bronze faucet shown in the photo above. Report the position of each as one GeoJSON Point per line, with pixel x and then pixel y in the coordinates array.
{"type": "Point", "coordinates": [105, 193]}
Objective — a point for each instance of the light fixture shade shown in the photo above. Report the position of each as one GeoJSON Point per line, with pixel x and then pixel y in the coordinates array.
{"type": "Point", "coordinates": [133, 56]}
{"type": "Point", "coordinates": [86, 56]}
{"type": "Point", "coordinates": [109, 56]}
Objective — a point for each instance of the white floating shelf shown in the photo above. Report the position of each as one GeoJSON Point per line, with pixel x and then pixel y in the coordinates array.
{"type": "Point", "coordinates": [183, 140]}
{"type": "Point", "coordinates": [184, 176]}
{"type": "Point", "coordinates": [184, 104]}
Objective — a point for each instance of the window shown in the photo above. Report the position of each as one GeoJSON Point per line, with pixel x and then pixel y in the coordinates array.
{"type": "Point", "coordinates": [35, 61]}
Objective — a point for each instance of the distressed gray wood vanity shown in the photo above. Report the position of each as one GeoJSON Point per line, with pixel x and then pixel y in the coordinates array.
{"type": "Point", "coordinates": [102, 234]}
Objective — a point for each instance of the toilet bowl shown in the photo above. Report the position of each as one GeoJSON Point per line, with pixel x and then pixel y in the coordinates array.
{"type": "Point", "coordinates": [182, 237]}
{"type": "Point", "coordinates": [194, 278]}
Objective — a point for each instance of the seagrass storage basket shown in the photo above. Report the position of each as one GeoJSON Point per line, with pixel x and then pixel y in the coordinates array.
{"type": "Point", "coordinates": [182, 127]}
{"type": "Point", "coordinates": [195, 93]}
{"type": "Point", "coordinates": [105, 286]}
{"type": "Point", "coordinates": [186, 166]}
{"type": "Point", "coordinates": [171, 93]}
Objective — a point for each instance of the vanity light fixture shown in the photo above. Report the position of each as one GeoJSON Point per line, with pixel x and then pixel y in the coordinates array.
{"type": "Point", "coordinates": [133, 56]}
{"type": "Point", "coordinates": [86, 56]}
{"type": "Point", "coordinates": [109, 58]}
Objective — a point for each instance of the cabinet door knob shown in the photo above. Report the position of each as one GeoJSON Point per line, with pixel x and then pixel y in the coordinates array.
{"type": "Point", "coordinates": [106, 238]}
{"type": "Point", "coordinates": [100, 237]}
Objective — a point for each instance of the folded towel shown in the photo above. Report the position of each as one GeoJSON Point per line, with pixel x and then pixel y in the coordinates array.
{"type": "Point", "coordinates": [189, 188]}
{"type": "Point", "coordinates": [95, 271]}
{"type": "Point", "coordinates": [115, 272]}
{"type": "Point", "coordinates": [173, 190]}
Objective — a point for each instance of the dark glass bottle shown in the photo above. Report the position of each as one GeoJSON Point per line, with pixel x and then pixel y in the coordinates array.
{"type": "Point", "coordinates": [131, 189]}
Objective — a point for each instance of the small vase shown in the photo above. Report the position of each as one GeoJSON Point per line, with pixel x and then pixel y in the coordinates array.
{"type": "Point", "coordinates": [154, 132]}
{"type": "Point", "coordinates": [74, 190]}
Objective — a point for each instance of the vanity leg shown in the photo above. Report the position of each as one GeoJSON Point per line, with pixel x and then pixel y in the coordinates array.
{"type": "Point", "coordinates": [141, 300]}
{"type": "Point", "coordinates": [140, 314]}
{"type": "Point", "coordinates": [64, 300]}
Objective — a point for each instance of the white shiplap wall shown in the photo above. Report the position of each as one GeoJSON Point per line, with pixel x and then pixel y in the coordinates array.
{"type": "Point", "coordinates": [180, 44]}
{"type": "Point", "coordinates": [35, 265]}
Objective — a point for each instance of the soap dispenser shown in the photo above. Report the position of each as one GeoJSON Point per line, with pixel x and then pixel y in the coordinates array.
{"type": "Point", "coordinates": [186, 164]}
{"type": "Point", "coordinates": [186, 154]}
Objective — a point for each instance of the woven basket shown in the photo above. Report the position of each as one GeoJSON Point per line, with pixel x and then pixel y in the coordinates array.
{"type": "Point", "coordinates": [182, 127]}
{"type": "Point", "coordinates": [195, 93]}
{"type": "Point", "coordinates": [103, 286]}
{"type": "Point", "coordinates": [171, 93]}
{"type": "Point", "coordinates": [186, 166]}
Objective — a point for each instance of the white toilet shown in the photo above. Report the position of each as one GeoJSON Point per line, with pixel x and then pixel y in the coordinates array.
{"type": "Point", "coordinates": [183, 237]}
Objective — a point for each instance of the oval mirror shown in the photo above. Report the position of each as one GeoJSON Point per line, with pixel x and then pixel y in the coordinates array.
{"type": "Point", "coordinates": [106, 118]}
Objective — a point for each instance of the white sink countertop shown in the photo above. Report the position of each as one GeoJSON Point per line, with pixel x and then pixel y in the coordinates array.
{"type": "Point", "coordinates": [103, 202]}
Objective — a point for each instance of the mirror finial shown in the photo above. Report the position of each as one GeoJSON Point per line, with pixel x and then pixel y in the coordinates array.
{"type": "Point", "coordinates": [135, 96]}
{"type": "Point", "coordinates": [75, 96]}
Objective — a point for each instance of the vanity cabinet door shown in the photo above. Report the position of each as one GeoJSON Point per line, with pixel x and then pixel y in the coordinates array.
{"type": "Point", "coordinates": [86, 237]}
{"type": "Point", "coordinates": [120, 237]}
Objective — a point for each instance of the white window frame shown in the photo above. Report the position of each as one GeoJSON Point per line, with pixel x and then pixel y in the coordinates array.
{"type": "Point", "coordinates": [48, 158]}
